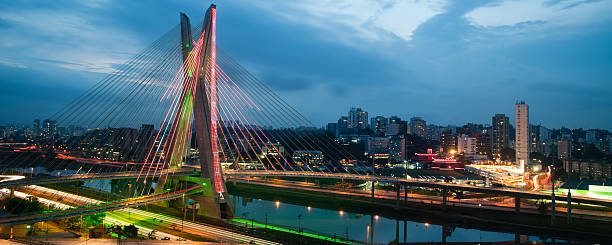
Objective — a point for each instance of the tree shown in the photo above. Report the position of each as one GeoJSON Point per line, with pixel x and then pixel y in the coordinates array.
{"type": "Point", "coordinates": [130, 231]}
{"type": "Point", "coordinates": [16, 205]}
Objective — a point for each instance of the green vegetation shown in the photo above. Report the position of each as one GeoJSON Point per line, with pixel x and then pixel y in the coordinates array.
{"type": "Point", "coordinates": [15, 205]}
{"type": "Point", "coordinates": [122, 232]}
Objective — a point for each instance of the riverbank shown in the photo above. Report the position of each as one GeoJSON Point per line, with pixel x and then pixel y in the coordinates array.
{"type": "Point", "coordinates": [465, 217]}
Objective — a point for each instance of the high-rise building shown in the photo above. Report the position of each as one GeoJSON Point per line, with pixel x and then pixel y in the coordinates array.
{"type": "Point", "coordinates": [418, 126]}
{"type": "Point", "coordinates": [36, 128]}
{"type": "Point", "coordinates": [48, 128]}
{"type": "Point", "coordinates": [379, 125]}
{"type": "Point", "coordinates": [332, 128]}
{"type": "Point", "coordinates": [522, 134]}
{"type": "Point", "coordinates": [500, 134]}
{"type": "Point", "coordinates": [433, 132]}
{"type": "Point", "coordinates": [483, 144]}
{"type": "Point", "coordinates": [563, 152]}
{"type": "Point", "coordinates": [358, 119]}
{"type": "Point", "coordinates": [343, 125]}
{"type": "Point", "coordinates": [397, 126]}
{"type": "Point", "coordinates": [448, 141]}
{"type": "Point", "coordinates": [466, 145]}
{"type": "Point", "coordinates": [397, 150]}
{"type": "Point", "coordinates": [534, 138]}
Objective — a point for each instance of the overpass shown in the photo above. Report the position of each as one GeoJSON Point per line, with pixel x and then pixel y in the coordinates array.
{"type": "Point", "coordinates": [97, 208]}
{"type": "Point", "coordinates": [412, 182]}
{"type": "Point", "coordinates": [14, 182]}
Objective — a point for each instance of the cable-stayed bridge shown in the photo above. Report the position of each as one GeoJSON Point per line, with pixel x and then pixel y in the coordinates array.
{"type": "Point", "coordinates": [183, 101]}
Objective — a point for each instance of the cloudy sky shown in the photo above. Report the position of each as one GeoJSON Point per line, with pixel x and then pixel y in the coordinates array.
{"type": "Point", "coordinates": [450, 62]}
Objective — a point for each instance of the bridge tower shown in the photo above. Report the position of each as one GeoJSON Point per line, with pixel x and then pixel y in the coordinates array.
{"type": "Point", "coordinates": [213, 202]}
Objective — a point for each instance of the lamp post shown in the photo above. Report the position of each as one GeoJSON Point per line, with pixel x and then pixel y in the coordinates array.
{"type": "Point", "coordinates": [129, 195]}
{"type": "Point", "coordinates": [299, 217]}
{"type": "Point", "coordinates": [569, 188]}
{"type": "Point", "coordinates": [552, 177]}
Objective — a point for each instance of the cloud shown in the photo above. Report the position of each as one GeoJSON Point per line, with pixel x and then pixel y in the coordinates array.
{"type": "Point", "coordinates": [352, 21]}
{"type": "Point", "coordinates": [75, 38]}
{"type": "Point", "coordinates": [11, 63]}
{"type": "Point", "coordinates": [522, 13]}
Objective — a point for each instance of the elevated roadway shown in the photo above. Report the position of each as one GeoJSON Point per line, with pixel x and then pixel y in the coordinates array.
{"type": "Point", "coordinates": [510, 192]}
{"type": "Point", "coordinates": [97, 208]}
{"type": "Point", "coordinates": [14, 182]}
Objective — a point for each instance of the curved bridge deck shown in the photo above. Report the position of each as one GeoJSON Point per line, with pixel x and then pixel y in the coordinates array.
{"type": "Point", "coordinates": [8, 183]}
{"type": "Point", "coordinates": [15, 220]}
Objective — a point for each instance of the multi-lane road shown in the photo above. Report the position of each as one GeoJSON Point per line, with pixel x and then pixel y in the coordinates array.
{"type": "Point", "coordinates": [118, 216]}
{"type": "Point", "coordinates": [509, 192]}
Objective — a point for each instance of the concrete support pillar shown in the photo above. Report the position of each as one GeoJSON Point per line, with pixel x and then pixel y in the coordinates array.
{"type": "Point", "coordinates": [517, 204]}
{"type": "Point", "coordinates": [373, 190]}
{"type": "Point", "coordinates": [444, 196]}
{"type": "Point", "coordinates": [399, 188]}
{"type": "Point", "coordinates": [405, 194]}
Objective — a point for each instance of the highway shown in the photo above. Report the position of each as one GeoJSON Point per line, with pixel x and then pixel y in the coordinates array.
{"type": "Point", "coordinates": [13, 182]}
{"type": "Point", "coordinates": [97, 208]}
{"type": "Point", "coordinates": [214, 233]}
{"type": "Point", "coordinates": [509, 192]}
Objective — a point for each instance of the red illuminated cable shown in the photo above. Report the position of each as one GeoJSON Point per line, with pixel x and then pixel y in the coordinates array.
{"type": "Point", "coordinates": [236, 105]}
{"type": "Point", "coordinates": [234, 109]}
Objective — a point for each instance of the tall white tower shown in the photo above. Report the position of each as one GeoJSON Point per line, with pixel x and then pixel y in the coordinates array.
{"type": "Point", "coordinates": [522, 134]}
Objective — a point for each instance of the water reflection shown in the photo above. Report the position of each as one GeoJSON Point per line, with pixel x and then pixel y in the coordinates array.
{"type": "Point", "coordinates": [355, 226]}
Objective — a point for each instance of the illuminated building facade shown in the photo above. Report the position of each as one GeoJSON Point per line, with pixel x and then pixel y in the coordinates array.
{"type": "Point", "coordinates": [303, 157]}
{"type": "Point", "coordinates": [357, 118]}
{"type": "Point", "coordinates": [418, 126]}
{"type": "Point", "coordinates": [500, 134]}
{"type": "Point", "coordinates": [522, 134]}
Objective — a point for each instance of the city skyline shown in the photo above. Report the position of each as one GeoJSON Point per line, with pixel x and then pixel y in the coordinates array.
{"type": "Point", "coordinates": [562, 69]}
{"type": "Point", "coordinates": [308, 122]}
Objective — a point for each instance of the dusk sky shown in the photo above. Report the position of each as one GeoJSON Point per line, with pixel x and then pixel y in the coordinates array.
{"type": "Point", "coordinates": [450, 62]}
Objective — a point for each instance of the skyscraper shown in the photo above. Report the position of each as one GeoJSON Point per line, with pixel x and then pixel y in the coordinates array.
{"type": "Point", "coordinates": [500, 135]}
{"type": "Point", "coordinates": [343, 125]}
{"type": "Point", "coordinates": [358, 119]}
{"type": "Point", "coordinates": [48, 128]}
{"type": "Point", "coordinates": [522, 134]}
{"type": "Point", "coordinates": [397, 126]}
{"type": "Point", "coordinates": [36, 128]}
{"type": "Point", "coordinates": [379, 124]}
{"type": "Point", "coordinates": [418, 126]}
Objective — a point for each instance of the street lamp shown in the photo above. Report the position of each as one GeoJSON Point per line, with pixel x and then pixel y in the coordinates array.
{"type": "Point", "coordinates": [129, 194]}
{"type": "Point", "coordinates": [299, 217]}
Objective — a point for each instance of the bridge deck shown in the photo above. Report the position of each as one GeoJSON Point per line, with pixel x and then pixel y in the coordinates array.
{"type": "Point", "coordinates": [13, 182]}
{"type": "Point", "coordinates": [15, 220]}
{"type": "Point", "coordinates": [418, 183]}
